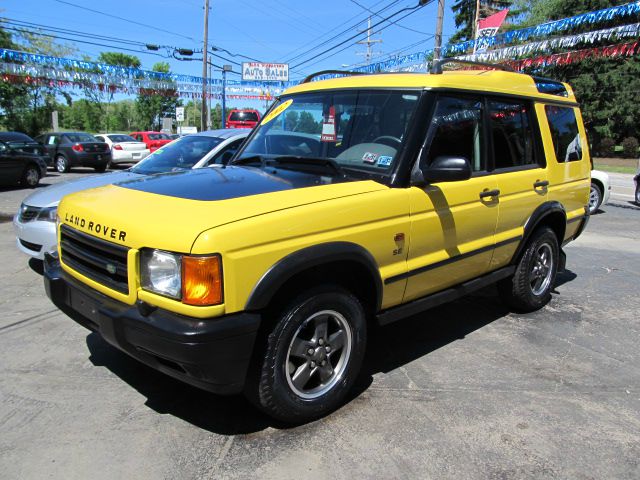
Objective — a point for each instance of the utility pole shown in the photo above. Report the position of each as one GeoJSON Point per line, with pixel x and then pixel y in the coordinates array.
{"type": "Point", "coordinates": [203, 120]}
{"type": "Point", "coordinates": [209, 109]}
{"type": "Point", "coordinates": [368, 42]}
{"type": "Point", "coordinates": [438, 41]}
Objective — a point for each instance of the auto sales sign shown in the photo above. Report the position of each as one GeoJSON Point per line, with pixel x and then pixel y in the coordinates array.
{"type": "Point", "coordinates": [265, 72]}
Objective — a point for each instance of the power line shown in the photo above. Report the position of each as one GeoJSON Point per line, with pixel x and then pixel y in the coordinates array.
{"type": "Point", "coordinates": [336, 36]}
{"type": "Point", "coordinates": [125, 19]}
{"type": "Point", "coordinates": [394, 22]}
{"type": "Point", "coordinates": [410, 9]}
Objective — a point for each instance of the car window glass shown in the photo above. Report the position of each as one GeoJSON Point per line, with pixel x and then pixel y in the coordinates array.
{"type": "Point", "coordinates": [100, 138]}
{"type": "Point", "coordinates": [456, 131]}
{"type": "Point", "coordinates": [226, 152]}
{"type": "Point", "coordinates": [512, 134]}
{"type": "Point", "coordinates": [242, 116]}
{"type": "Point", "coordinates": [180, 154]}
{"type": "Point", "coordinates": [78, 137]}
{"type": "Point", "coordinates": [120, 138]}
{"type": "Point", "coordinates": [52, 140]}
{"type": "Point", "coordinates": [564, 132]}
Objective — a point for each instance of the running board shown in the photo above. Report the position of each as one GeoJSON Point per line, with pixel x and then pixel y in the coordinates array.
{"type": "Point", "coordinates": [425, 303]}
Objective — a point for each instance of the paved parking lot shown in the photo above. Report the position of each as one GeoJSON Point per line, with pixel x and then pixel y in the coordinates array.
{"type": "Point", "coordinates": [467, 390]}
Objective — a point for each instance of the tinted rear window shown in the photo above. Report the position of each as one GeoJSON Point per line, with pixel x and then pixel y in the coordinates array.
{"type": "Point", "coordinates": [564, 132]}
{"type": "Point", "coordinates": [79, 137]}
{"type": "Point", "coordinates": [121, 138]}
{"type": "Point", "coordinates": [159, 136]}
{"type": "Point", "coordinates": [243, 117]}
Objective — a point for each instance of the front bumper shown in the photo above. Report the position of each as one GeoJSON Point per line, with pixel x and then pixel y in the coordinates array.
{"type": "Point", "coordinates": [212, 354]}
{"type": "Point", "coordinates": [35, 238]}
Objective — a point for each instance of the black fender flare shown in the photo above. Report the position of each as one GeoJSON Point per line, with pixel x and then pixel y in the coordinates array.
{"type": "Point", "coordinates": [538, 216]}
{"type": "Point", "coordinates": [307, 258]}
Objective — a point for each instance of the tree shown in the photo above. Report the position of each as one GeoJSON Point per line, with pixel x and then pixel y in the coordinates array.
{"type": "Point", "coordinates": [153, 106]}
{"type": "Point", "coordinates": [465, 14]}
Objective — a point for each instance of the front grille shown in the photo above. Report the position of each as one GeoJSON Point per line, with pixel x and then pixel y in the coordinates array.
{"type": "Point", "coordinates": [102, 261]}
{"type": "Point", "coordinates": [27, 213]}
{"type": "Point", "coordinates": [31, 246]}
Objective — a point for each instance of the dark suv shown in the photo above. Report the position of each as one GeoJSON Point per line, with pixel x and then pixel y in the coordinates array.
{"type": "Point", "coordinates": [75, 149]}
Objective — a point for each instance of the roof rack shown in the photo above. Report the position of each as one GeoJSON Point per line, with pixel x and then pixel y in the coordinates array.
{"type": "Point", "coordinates": [436, 68]}
{"type": "Point", "coordinates": [329, 72]}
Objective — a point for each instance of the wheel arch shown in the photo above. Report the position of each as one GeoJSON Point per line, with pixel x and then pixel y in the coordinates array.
{"type": "Point", "coordinates": [550, 214]}
{"type": "Point", "coordinates": [599, 184]}
{"type": "Point", "coordinates": [347, 264]}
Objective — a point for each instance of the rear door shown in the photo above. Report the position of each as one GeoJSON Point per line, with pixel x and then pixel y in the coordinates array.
{"type": "Point", "coordinates": [519, 168]}
{"type": "Point", "coordinates": [453, 223]}
{"type": "Point", "coordinates": [51, 144]}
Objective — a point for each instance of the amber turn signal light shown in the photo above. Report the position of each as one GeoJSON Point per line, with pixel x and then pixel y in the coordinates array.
{"type": "Point", "coordinates": [201, 280]}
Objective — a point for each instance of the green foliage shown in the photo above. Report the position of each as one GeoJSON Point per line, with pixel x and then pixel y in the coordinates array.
{"type": "Point", "coordinates": [630, 147]}
{"type": "Point", "coordinates": [120, 59]}
{"type": "Point", "coordinates": [152, 107]}
{"type": "Point", "coordinates": [465, 14]}
{"type": "Point", "coordinates": [606, 147]}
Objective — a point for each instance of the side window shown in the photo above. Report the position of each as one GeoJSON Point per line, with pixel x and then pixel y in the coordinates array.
{"type": "Point", "coordinates": [456, 130]}
{"type": "Point", "coordinates": [512, 134]}
{"type": "Point", "coordinates": [226, 154]}
{"type": "Point", "coordinates": [64, 140]}
{"type": "Point", "coordinates": [564, 132]}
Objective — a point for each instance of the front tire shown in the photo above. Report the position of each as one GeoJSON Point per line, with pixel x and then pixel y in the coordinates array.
{"type": "Point", "coordinates": [529, 288]}
{"type": "Point", "coordinates": [638, 192]}
{"type": "Point", "coordinates": [313, 355]}
{"type": "Point", "coordinates": [595, 198]}
{"type": "Point", "coordinates": [31, 176]}
{"type": "Point", "coordinates": [62, 164]}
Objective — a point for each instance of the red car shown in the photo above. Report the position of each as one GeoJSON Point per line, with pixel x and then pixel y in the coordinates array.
{"type": "Point", "coordinates": [154, 140]}
{"type": "Point", "coordinates": [244, 118]}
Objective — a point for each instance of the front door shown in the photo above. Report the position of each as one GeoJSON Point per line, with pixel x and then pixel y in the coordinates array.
{"type": "Point", "coordinates": [453, 223]}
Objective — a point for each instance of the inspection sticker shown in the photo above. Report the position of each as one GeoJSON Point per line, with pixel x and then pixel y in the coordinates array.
{"type": "Point", "coordinates": [370, 157]}
{"type": "Point", "coordinates": [276, 111]}
{"type": "Point", "coordinates": [384, 161]}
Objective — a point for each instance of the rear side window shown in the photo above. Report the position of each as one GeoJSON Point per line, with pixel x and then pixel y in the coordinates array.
{"type": "Point", "coordinates": [564, 133]}
{"type": "Point", "coordinates": [512, 134]}
{"type": "Point", "coordinates": [78, 137]}
{"type": "Point", "coordinates": [456, 131]}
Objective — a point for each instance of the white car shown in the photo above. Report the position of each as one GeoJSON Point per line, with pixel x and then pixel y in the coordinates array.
{"type": "Point", "coordinates": [600, 190]}
{"type": "Point", "coordinates": [124, 149]}
{"type": "Point", "coordinates": [35, 222]}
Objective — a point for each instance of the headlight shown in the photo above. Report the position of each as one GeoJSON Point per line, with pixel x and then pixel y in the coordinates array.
{"type": "Point", "coordinates": [161, 272]}
{"type": "Point", "coordinates": [48, 214]}
{"type": "Point", "coordinates": [196, 280]}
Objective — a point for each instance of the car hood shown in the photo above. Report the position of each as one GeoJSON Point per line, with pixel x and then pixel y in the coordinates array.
{"type": "Point", "coordinates": [51, 196]}
{"type": "Point", "coordinates": [169, 211]}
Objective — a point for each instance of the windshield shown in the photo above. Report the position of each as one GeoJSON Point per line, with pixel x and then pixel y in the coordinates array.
{"type": "Point", "coordinates": [180, 154]}
{"type": "Point", "coordinates": [80, 137]}
{"type": "Point", "coordinates": [243, 117]}
{"type": "Point", "coordinates": [361, 130]}
{"type": "Point", "coordinates": [159, 136]}
{"type": "Point", "coordinates": [121, 138]}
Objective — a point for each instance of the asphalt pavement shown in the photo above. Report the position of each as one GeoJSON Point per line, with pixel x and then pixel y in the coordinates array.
{"type": "Point", "coordinates": [466, 390]}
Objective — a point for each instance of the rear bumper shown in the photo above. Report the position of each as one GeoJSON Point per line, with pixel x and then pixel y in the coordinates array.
{"type": "Point", "coordinates": [124, 156]}
{"type": "Point", "coordinates": [91, 159]}
{"type": "Point", "coordinates": [212, 354]}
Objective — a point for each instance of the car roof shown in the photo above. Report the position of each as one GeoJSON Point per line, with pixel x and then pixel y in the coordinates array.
{"type": "Point", "coordinates": [14, 136]}
{"type": "Point", "coordinates": [223, 133]}
{"type": "Point", "coordinates": [486, 81]}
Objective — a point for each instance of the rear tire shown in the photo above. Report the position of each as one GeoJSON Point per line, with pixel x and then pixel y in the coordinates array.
{"type": "Point", "coordinates": [312, 355]}
{"type": "Point", "coordinates": [61, 164]}
{"type": "Point", "coordinates": [31, 176]}
{"type": "Point", "coordinates": [529, 288]}
{"type": "Point", "coordinates": [595, 198]}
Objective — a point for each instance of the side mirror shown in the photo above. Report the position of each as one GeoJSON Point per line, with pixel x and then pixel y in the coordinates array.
{"type": "Point", "coordinates": [447, 169]}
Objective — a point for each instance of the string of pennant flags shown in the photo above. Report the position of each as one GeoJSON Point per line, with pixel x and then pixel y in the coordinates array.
{"type": "Point", "coordinates": [47, 70]}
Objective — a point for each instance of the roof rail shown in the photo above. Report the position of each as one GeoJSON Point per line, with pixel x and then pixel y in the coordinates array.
{"type": "Point", "coordinates": [436, 68]}
{"type": "Point", "coordinates": [329, 72]}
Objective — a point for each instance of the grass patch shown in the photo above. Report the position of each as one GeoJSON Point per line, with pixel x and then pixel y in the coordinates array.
{"type": "Point", "coordinates": [616, 165]}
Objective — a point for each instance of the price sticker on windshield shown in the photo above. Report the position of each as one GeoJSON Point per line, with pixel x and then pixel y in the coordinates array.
{"type": "Point", "coordinates": [276, 111]}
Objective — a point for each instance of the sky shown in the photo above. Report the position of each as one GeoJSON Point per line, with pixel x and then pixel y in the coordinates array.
{"type": "Point", "coordinates": [268, 30]}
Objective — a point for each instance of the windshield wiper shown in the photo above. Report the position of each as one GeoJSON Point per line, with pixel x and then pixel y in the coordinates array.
{"type": "Point", "coordinates": [324, 163]}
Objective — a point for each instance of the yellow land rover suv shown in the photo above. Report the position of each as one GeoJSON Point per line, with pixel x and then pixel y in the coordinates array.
{"type": "Point", "coordinates": [356, 200]}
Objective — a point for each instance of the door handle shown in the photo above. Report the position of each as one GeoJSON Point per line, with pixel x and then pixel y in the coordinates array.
{"type": "Point", "coordinates": [490, 193]}
{"type": "Point", "coordinates": [541, 184]}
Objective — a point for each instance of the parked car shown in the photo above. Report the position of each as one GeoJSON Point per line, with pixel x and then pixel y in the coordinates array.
{"type": "Point", "coordinates": [244, 118]}
{"type": "Point", "coordinates": [75, 149]}
{"type": "Point", "coordinates": [154, 140]}
{"type": "Point", "coordinates": [23, 161]}
{"type": "Point", "coordinates": [124, 148]}
{"type": "Point", "coordinates": [600, 190]}
{"type": "Point", "coordinates": [266, 276]}
{"type": "Point", "coordinates": [636, 180]}
{"type": "Point", "coordinates": [34, 224]}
